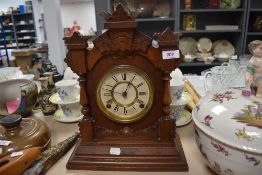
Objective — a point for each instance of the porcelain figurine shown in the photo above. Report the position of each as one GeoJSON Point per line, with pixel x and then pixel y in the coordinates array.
{"type": "Point", "coordinates": [254, 68]}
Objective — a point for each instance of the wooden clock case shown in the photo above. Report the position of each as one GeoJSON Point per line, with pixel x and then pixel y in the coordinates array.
{"type": "Point", "coordinates": [149, 144]}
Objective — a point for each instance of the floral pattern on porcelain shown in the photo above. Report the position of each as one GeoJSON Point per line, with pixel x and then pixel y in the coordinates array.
{"type": "Point", "coordinates": [251, 115]}
{"type": "Point", "coordinates": [253, 160]}
{"type": "Point", "coordinates": [67, 111]}
{"type": "Point", "coordinates": [236, 142]}
{"type": "Point", "coordinates": [178, 93]}
{"type": "Point", "coordinates": [241, 133]}
{"type": "Point", "coordinates": [221, 97]}
{"type": "Point", "coordinates": [207, 120]}
{"type": "Point", "coordinates": [220, 149]}
{"type": "Point", "coordinates": [62, 93]}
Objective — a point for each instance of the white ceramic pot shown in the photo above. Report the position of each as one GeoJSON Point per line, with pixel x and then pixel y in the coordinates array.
{"type": "Point", "coordinates": [228, 130]}
{"type": "Point", "coordinates": [177, 106]}
{"type": "Point", "coordinates": [67, 89]}
{"type": "Point", "coordinates": [8, 73]}
{"type": "Point", "coordinates": [176, 88]}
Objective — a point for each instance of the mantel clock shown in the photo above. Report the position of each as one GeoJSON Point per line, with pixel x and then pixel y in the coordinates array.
{"type": "Point", "coordinates": [126, 99]}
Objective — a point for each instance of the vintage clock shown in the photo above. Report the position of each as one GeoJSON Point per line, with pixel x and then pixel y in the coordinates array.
{"type": "Point", "coordinates": [125, 94]}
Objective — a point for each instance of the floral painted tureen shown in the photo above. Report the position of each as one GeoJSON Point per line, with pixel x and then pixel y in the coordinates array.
{"type": "Point", "coordinates": [228, 131]}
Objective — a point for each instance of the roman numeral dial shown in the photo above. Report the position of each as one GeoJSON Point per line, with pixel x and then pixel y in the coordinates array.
{"type": "Point", "coordinates": [125, 94]}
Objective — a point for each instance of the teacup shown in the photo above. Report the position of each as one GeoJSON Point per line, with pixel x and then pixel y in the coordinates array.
{"type": "Point", "coordinates": [176, 88]}
{"type": "Point", "coordinates": [178, 106]}
{"type": "Point", "coordinates": [67, 89]}
{"type": "Point", "coordinates": [71, 110]}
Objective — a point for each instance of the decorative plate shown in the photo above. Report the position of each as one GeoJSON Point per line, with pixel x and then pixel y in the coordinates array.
{"type": "Point", "coordinates": [59, 116]}
{"type": "Point", "coordinates": [184, 119]}
{"type": "Point", "coordinates": [57, 100]}
{"type": "Point", "coordinates": [204, 45]}
{"type": "Point", "coordinates": [223, 50]}
{"type": "Point", "coordinates": [188, 46]}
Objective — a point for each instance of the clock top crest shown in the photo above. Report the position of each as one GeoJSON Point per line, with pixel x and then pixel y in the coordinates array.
{"type": "Point", "coordinates": [125, 97]}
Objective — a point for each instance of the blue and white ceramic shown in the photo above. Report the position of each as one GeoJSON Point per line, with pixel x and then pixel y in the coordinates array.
{"type": "Point", "coordinates": [67, 89]}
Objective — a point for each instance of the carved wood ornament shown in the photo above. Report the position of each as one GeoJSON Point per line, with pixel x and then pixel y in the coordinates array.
{"type": "Point", "coordinates": [148, 144]}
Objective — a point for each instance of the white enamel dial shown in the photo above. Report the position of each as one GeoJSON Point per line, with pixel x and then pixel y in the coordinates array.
{"type": "Point", "coordinates": [125, 94]}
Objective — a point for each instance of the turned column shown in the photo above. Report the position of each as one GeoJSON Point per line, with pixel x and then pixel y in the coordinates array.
{"type": "Point", "coordinates": [76, 60]}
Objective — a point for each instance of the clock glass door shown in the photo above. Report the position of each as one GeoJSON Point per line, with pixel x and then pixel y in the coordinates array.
{"type": "Point", "coordinates": [125, 94]}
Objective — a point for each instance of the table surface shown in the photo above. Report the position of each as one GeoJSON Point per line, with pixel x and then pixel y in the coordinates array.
{"type": "Point", "coordinates": [61, 131]}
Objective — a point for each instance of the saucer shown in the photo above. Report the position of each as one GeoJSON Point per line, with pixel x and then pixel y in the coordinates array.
{"type": "Point", "coordinates": [184, 119]}
{"type": "Point", "coordinates": [57, 100]}
{"type": "Point", "coordinates": [59, 116]}
{"type": "Point", "coordinates": [185, 99]}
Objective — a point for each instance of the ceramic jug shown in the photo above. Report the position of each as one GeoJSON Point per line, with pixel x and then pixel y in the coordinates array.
{"type": "Point", "coordinates": [29, 92]}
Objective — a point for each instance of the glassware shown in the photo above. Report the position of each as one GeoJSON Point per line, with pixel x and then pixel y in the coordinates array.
{"type": "Point", "coordinates": [220, 77]}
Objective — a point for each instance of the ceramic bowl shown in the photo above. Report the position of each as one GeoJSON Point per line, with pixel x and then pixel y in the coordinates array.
{"type": "Point", "coordinates": [201, 56]}
{"type": "Point", "coordinates": [228, 132]}
{"type": "Point", "coordinates": [17, 94]}
{"type": "Point", "coordinates": [8, 73]}
{"type": "Point", "coordinates": [189, 58]}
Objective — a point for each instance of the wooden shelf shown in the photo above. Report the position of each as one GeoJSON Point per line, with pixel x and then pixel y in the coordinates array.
{"type": "Point", "coordinates": [154, 19]}
{"type": "Point", "coordinates": [210, 10]}
{"type": "Point", "coordinates": [211, 31]}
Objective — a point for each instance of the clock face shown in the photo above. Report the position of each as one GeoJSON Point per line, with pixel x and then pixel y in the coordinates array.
{"type": "Point", "coordinates": [125, 94]}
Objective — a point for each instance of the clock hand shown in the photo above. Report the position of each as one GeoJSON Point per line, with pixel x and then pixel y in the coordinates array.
{"type": "Point", "coordinates": [128, 84]}
{"type": "Point", "coordinates": [115, 92]}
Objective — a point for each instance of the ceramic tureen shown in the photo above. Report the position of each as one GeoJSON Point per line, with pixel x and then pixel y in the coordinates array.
{"type": "Point", "coordinates": [228, 131]}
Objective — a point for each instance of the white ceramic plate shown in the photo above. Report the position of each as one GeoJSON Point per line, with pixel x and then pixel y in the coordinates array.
{"type": "Point", "coordinates": [59, 116]}
{"type": "Point", "coordinates": [184, 119]}
{"type": "Point", "coordinates": [57, 100]}
{"type": "Point", "coordinates": [188, 46]}
{"type": "Point", "coordinates": [204, 45]}
{"type": "Point", "coordinates": [223, 50]}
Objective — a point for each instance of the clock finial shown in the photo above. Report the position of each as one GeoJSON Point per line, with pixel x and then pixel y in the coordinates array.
{"type": "Point", "coordinates": [168, 38]}
{"type": "Point", "coordinates": [119, 18]}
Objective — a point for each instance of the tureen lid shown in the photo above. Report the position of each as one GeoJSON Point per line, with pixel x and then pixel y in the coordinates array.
{"type": "Point", "coordinates": [232, 119]}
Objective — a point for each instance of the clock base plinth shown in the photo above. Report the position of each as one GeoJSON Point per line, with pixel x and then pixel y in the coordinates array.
{"type": "Point", "coordinates": [147, 156]}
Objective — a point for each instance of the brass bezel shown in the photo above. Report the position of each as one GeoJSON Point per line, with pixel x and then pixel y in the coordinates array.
{"type": "Point", "coordinates": [127, 118]}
